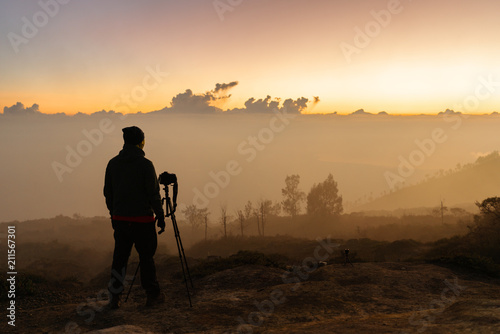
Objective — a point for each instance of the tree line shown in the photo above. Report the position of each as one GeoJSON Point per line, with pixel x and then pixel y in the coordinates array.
{"type": "Point", "coordinates": [323, 200]}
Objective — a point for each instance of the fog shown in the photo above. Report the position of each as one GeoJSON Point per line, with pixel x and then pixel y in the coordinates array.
{"type": "Point", "coordinates": [54, 164]}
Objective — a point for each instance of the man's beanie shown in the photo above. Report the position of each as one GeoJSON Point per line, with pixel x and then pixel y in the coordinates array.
{"type": "Point", "coordinates": [133, 135]}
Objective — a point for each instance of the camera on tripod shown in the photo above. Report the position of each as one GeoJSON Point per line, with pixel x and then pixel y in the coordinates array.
{"type": "Point", "coordinates": [346, 253]}
{"type": "Point", "coordinates": [167, 178]}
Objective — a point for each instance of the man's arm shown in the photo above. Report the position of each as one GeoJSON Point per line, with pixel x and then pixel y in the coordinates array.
{"type": "Point", "coordinates": [108, 190]}
{"type": "Point", "coordinates": [153, 191]}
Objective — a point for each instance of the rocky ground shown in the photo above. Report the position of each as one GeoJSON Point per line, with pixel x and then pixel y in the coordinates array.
{"type": "Point", "coordinates": [364, 298]}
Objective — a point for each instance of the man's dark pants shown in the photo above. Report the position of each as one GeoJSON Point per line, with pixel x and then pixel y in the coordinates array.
{"type": "Point", "coordinates": [143, 236]}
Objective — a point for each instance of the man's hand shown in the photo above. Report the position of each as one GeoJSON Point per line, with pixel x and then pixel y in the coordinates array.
{"type": "Point", "coordinates": [161, 224]}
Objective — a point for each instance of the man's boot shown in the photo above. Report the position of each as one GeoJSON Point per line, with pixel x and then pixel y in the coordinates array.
{"type": "Point", "coordinates": [114, 302]}
{"type": "Point", "coordinates": [155, 299]}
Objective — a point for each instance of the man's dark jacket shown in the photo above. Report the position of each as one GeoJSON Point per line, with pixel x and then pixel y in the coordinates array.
{"type": "Point", "coordinates": [130, 186]}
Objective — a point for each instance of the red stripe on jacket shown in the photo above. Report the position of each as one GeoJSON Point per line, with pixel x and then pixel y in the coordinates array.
{"type": "Point", "coordinates": [136, 219]}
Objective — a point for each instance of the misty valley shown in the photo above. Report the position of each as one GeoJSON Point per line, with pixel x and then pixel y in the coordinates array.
{"type": "Point", "coordinates": [299, 222]}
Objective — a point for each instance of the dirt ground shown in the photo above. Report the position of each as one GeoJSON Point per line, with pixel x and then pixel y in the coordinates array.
{"type": "Point", "coordinates": [364, 298]}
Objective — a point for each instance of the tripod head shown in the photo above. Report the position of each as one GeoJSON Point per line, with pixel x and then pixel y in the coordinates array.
{"type": "Point", "coordinates": [167, 179]}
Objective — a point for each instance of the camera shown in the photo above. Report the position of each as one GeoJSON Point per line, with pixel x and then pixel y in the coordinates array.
{"type": "Point", "coordinates": [167, 178]}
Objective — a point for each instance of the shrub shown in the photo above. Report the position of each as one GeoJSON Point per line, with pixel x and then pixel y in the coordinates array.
{"type": "Point", "coordinates": [472, 262]}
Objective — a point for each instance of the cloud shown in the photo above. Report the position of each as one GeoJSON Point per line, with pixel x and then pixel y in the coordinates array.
{"type": "Point", "coordinates": [103, 113]}
{"type": "Point", "coordinates": [189, 102]}
{"type": "Point", "coordinates": [209, 102]}
{"type": "Point", "coordinates": [219, 88]}
{"type": "Point", "coordinates": [19, 109]}
{"type": "Point", "coordinates": [295, 107]}
{"type": "Point", "coordinates": [260, 106]}
{"type": "Point", "coordinates": [449, 112]}
{"type": "Point", "coordinates": [268, 105]}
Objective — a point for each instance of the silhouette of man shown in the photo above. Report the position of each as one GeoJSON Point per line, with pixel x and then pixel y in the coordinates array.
{"type": "Point", "coordinates": [133, 199]}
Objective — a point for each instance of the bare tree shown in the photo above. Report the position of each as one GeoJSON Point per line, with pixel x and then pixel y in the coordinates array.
{"type": "Point", "coordinates": [205, 214]}
{"type": "Point", "coordinates": [248, 210]}
{"type": "Point", "coordinates": [264, 208]}
{"type": "Point", "coordinates": [223, 218]}
{"type": "Point", "coordinates": [241, 219]}
{"type": "Point", "coordinates": [256, 213]}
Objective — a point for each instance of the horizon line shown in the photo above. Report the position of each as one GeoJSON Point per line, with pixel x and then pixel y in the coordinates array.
{"type": "Point", "coordinates": [20, 110]}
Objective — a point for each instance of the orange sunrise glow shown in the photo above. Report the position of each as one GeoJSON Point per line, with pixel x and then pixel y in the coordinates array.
{"type": "Point", "coordinates": [404, 57]}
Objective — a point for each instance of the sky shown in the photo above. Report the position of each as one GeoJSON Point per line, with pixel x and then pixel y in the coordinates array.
{"type": "Point", "coordinates": [402, 57]}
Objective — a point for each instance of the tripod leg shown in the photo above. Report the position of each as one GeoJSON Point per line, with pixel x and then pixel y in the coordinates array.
{"type": "Point", "coordinates": [182, 257]}
{"type": "Point", "coordinates": [180, 248]}
{"type": "Point", "coordinates": [178, 236]}
{"type": "Point", "coordinates": [133, 280]}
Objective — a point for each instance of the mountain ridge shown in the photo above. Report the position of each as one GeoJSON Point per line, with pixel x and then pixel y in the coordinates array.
{"type": "Point", "coordinates": [473, 182]}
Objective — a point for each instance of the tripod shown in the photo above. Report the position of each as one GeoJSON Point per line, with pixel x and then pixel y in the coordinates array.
{"type": "Point", "coordinates": [170, 211]}
{"type": "Point", "coordinates": [346, 252]}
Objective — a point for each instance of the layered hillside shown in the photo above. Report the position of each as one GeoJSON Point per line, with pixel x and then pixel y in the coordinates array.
{"type": "Point", "coordinates": [471, 183]}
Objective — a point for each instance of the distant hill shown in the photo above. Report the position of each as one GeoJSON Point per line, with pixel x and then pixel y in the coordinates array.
{"type": "Point", "coordinates": [473, 182]}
